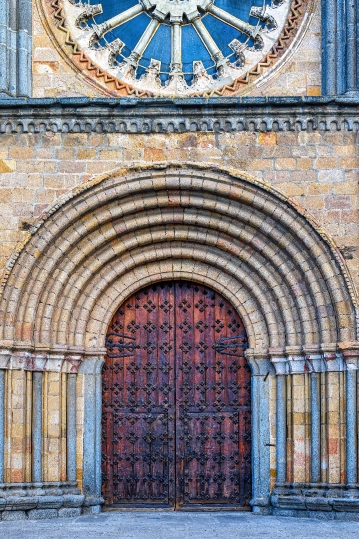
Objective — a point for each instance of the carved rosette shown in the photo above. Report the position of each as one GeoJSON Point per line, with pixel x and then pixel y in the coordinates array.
{"type": "Point", "coordinates": [120, 66]}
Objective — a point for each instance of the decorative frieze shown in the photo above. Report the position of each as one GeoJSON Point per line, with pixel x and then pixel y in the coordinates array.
{"type": "Point", "coordinates": [133, 115]}
{"type": "Point", "coordinates": [315, 359]}
{"type": "Point", "coordinates": [29, 361]}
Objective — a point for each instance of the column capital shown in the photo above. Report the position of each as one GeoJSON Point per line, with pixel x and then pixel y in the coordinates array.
{"type": "Point", "coordinates": [350, 353]}
{"type": "Point", "coordinates": [314, 359]}
{"type": "Point", "coordinates": [39, 362]}
{"type": "Point", "coordinates": [278, 358]}
{"type": "Point", "coordinates": [295, 360]}
{"type": "Point", "coordinates": [258, 360]}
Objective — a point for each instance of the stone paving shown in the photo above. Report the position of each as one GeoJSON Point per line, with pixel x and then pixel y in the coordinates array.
{"type": "Point", "coordinates": [170, 525]}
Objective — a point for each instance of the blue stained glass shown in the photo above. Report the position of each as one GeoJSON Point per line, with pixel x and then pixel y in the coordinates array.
{"type": "Point", "coordinates": [111, 8]}
{"type": "Point", "coordinates": [222, 33]}
{"type": "Point", "coordinates": [193, 47]}
{"type": "Point", "coordinates": [130, 32]}
{"type": "Point", "coordinates": [159, 48]}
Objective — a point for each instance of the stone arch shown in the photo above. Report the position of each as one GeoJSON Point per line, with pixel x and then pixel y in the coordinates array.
{"type": "Point", "coordinates": [239, 235]}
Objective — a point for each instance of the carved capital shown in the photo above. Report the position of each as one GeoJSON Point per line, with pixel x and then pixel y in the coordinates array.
{"type": "Point", "coordinates": [295, 360]}
{"type": "Point", "coordinates": [314, 359]}
{"type": "Point", "coordinates": [350, 354]}
{"type": "Point", "coordinates": [39, 362]}
{"type": "Point", "coordinates": [279, 360]}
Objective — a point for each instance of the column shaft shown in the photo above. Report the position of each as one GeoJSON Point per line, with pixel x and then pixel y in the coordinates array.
{"type": "Point", "coordinates": [260, 441]}
{"type": "Point", "coordinates": [351, 23]}
{"type": "Point", "coordinates": [315, 427]}
{"type": "Point", "coordinates": [15, 47]}
{"type": "Point", "coordinates": [351, 420]}
{"type": "Point", "coordinates": [329, 47]}
{"type": "Point", "coordinates": [2, 423]}
{"type": "Point", "coordinates": [340, 45]}
{"type": "Point", "coordinates": [71, 427]}
{"type": "Point", "coordinates": [281, 443]}
{"type": "Point", "coordinates": [37, 427]}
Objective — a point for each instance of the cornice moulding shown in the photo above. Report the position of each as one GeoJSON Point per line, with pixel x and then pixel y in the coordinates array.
{"type": "Point", "coordinates": [164, 115]}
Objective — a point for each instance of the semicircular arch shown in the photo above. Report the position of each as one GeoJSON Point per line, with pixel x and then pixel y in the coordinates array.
{"type": "Point", "coordinates": [237, 234]}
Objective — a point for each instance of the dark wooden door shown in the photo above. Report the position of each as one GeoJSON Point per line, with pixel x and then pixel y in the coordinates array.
{"type": "Point", "coordinates": [176, 402]}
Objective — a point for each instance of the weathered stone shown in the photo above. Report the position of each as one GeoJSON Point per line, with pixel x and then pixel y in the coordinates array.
{"type": "Point", "coordinates": [73, 500]}
{"type": "Point", "coordinates": [69, 512]}
{"type": "Point", "coordinates": [23, 503]}
{"type": "Point", "coordinates": [41, 514]}
{"type": "Point", "coordinates": [50, 502]}
{"type": "Point", "coordinates": [318, 504]}
{"type": "Point", "coordinates": [255, 196]}
{"type": "Point", "coordinates": [345, 504]}
{"type": "Point", "coordinates": [13, 515]}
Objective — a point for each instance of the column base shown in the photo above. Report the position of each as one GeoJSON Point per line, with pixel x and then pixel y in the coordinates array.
{"type": "Point", "coordinates": [20, 501]}
{"type": "Point", "coordinates": [260, 506]}
{"type": "Point", "coordinates": [316, 500]}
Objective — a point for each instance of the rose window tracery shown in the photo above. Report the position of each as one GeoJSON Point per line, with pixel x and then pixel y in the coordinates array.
{"type": "Point", "coordinates": [176, 47]}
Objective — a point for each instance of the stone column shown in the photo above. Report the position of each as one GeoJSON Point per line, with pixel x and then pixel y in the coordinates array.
{"type": "Point", "coordinates": [351, 26]}
{"type": "Point", "coordinates": [280, 365]}
{"type": "Point", "coordinates": [315, 427]}
{"type": "Point", "coordinates": [2, 423]}
{"type": "Point", "coordinates": [315, 364]}
{"type": "Point", "coordinates": [91, 368]}
{"type": "Point", "coordinates": [71, 427]}
{"type": "Point", "coordinates": [262, 373]}
{"type": "Point", "coordinates": [340, 47]}
{"type": "Point", "coordinates": [351, 357]}
{"type": "Point", "coordinates": [37, 427]}
{"type": "Point", "coordinates": [15, 48]}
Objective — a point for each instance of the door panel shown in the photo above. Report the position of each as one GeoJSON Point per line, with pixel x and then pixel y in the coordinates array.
{"type": "Point", "coordinates": [176, 401]}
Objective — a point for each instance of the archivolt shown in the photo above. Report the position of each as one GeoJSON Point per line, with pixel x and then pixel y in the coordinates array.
{"type": "Point", "coordinates": [106, 239]}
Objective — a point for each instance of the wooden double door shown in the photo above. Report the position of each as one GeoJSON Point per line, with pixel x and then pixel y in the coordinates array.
{"type": "Point", "coordinates": [176, 402]}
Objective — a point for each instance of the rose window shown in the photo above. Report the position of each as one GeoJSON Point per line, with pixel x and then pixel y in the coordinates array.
{"type": "Point", "coordinates": [176, 47]}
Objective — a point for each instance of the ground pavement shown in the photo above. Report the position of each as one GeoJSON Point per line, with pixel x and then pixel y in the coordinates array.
{"type": "Point", "coordinates": [169, 525]}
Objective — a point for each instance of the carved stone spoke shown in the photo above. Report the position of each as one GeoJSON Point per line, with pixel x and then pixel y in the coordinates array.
{"type": "Point", "coordinates": [210, 64]}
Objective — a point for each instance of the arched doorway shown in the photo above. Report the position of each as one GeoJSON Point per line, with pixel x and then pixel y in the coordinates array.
{"type": "Point", "coordinates": [176, 401]}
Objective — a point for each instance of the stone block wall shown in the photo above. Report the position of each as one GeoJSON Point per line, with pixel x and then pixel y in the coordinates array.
{"type": "Point", "coordinates": [318, 170]}
{"type": "Point", "coordinates": [18, 419]}
{"type": "Point", "coordinates": [307, 155]}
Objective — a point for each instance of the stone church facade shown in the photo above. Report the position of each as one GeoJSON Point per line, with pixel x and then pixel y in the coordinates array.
{"type": "Point", "coordinates": [179, 256]}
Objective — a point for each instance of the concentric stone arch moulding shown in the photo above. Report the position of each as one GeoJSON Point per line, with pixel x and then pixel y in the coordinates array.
{"type": "Point", "coordinates": [200, 210]}
{"type": "Point", "coordinates": [300, 14]}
